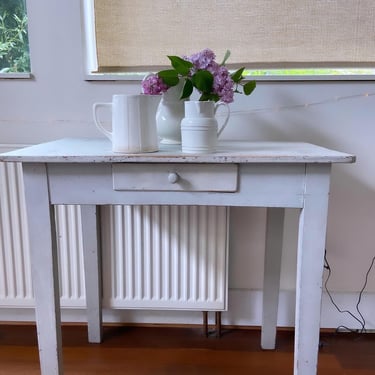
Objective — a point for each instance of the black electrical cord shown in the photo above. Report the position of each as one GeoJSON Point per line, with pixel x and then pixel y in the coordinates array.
{"type": "Point", "coordinates": [359, 319]}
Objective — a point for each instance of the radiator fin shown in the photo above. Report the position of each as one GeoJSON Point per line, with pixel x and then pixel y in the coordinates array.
{"type": "Point", "coordinates": [70, 254]}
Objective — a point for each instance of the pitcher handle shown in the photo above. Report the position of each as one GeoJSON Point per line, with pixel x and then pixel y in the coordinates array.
{"type": "Point", "coordinates": [97, 121]}
{"type": "Point", "coordinates": [222, 127]}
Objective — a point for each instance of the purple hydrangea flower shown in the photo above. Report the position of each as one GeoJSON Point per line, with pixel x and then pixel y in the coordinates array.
{"type": "Point", "coordinates": [153, 85]}
{"type": "Point", "coordinates": [203, 59]}
{"type": "Point", "coordinates": [223, 84]}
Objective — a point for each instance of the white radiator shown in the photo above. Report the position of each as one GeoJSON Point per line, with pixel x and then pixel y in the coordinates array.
{"type": "Point", "coordinates": [166, 257]}
{"type": "Point", "coordinates": [157, 257]}
{"type": "Point", "coordinates": [15, 278]}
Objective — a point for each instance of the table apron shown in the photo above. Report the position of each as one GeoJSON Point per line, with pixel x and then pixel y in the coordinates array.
{"type": "Point", "coordinates": [259, 185]}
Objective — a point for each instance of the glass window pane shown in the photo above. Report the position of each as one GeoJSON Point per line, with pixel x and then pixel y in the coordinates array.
{"type": "Point", "coordinates": [14, 43]}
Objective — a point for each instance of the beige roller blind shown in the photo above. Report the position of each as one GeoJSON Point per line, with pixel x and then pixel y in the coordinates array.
{"type": "Point", "coordinates": [133, 35]}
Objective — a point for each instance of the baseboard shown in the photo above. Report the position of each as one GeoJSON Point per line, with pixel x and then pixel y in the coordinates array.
{"type": "Point", "coordinates": [245, 309]}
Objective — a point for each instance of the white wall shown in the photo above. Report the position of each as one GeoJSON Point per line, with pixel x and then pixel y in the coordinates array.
{"type": "Point", "coordinates": [57, 103]}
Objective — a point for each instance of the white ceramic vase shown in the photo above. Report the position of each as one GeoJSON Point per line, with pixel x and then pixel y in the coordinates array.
{"type": "Point", "coordinates": [169, 114]}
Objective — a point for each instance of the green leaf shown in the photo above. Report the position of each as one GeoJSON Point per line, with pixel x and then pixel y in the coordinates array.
{"type": "Point", "coordinates": [205, 97]}
{"type": "Point", "coordinates": [237, 75]}
{"type": "Point", "coordinates": [181, 66]}
{"type": "Point", "coordinates": [226, 57]}
{"type": "Point", "coordinates": [169, 77]}
{"type": "Point", "coordinates": [249, 87]}
{"type": "Point", "coordinates": [203, 81]}
{"type": "Point", "coordinates": [187, 89]}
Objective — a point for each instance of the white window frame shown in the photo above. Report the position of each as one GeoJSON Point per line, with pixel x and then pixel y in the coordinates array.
{"type": "Point", "coordinates": [91, 65]}
{"type": "Point", "coordinates": [16, 75]}
{"type": "Point", "coordinates": [89, 49]}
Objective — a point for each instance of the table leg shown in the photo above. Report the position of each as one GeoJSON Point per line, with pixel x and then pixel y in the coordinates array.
{"type": "Point", "coordinates": [92, 264]}
{"type": "Point", "coordinates": [310, 261]}
{"type": "Point", "coordinates": [271, 281]}
{"type": "Point", "coordinates": [44, 267]}
{"type": "Point", "coordinates": [205, 323]}
{"type": "Point", "coordinates": [218, 323]}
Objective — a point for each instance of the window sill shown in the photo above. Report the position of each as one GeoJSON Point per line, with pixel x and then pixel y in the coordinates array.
{"type": "Point", "coordinates": [115, 76]}
{"type": "Point", "coordinates": [15, 75]}
{"type": "Point", "coordinates": [328, 77]}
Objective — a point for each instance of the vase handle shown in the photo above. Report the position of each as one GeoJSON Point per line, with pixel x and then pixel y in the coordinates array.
{"type": "Point", "coordinates": [222, 127]}
{"type": "Point", "coordinates": [98, 124]}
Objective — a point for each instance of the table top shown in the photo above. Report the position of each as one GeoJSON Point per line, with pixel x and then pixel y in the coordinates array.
{"type": "Point", "coordinates": [98, 150]}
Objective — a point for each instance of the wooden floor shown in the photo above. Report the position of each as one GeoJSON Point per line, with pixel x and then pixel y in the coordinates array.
{"type": "Point", "coordinates": [162, 350]}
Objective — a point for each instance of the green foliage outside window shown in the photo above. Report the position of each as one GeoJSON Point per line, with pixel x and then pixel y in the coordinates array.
{"type": "Point", "coordinates": [311, 72]}
{"type": "Point", "coordinates": [14, 44]}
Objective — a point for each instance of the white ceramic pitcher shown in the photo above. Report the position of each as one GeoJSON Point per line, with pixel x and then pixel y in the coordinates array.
{"type": "Point", "coordinates": [169, 114]}
{"type": "Point", "coordinates": [199, 127]}
{"type": "Point", "coordinates": [133, 123]}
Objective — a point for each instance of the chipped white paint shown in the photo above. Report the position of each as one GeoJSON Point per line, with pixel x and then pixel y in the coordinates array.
{"type": "Point", "coordinates": [92, 150]}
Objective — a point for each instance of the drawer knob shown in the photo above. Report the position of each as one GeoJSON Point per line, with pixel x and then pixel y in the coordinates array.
{"type": "Point", "coordinates": [173, 177]}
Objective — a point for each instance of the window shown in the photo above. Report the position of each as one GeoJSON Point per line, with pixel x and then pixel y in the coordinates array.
{"type": "Point", "coordinates": [271, 37]}
{"type": "Point", "coordinates": [14, 45]}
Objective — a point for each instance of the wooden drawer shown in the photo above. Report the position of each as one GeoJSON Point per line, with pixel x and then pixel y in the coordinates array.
{"type": "Point", "coordinates": [175, 177]}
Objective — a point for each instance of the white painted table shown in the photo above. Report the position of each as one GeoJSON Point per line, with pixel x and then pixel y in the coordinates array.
{"type": "Point", "coordinates": [86, 172]}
